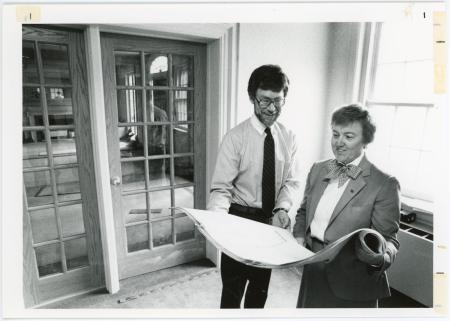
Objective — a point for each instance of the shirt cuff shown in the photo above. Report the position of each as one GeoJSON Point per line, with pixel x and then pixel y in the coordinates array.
{"type": "Point", "coordinates": [276, 209]}
{"type": "Point", "coordinates": [221, 210]}
{"type": "Point", "coordinates": [282, 205]}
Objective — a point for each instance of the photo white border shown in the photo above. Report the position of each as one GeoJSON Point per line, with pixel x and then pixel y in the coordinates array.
{"type": "Point", "coordinates": [181, 12]}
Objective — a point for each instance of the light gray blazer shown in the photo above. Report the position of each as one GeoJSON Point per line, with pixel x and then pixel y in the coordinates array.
{"type": "Point", "coordinates": [370, 201]}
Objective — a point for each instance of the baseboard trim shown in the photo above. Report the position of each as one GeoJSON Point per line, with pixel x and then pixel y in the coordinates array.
{"type": "Point", "coordinates": [69, 296]}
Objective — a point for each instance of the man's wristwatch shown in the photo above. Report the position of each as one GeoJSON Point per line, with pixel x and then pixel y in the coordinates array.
{"type": "Point", "coordinates": [279, 209]}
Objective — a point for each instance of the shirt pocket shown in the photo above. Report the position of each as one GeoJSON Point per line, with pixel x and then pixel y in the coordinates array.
{"type": "Point", "coordinates": [281, 169]}
{"type": "Point", "coordinates": [248, 158]}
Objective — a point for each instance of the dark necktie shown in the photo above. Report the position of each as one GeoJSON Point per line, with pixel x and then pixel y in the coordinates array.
{"type": "Point", "coordinates": [268, 175]}
{"type": "Point", "coordinates": [342, 172]}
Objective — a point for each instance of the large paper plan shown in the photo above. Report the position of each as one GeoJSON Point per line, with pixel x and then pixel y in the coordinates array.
{"type": "Point", "coordinates": [263, 245]}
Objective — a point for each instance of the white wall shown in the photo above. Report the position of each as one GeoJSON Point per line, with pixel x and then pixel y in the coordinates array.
{"type": "Point", "coordinates": [342, 77]}
{"type": "Point", "coordinates": [301, 49]}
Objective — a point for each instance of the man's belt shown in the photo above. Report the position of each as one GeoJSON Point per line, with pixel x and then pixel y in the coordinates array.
{"type": "Point", "coordinates": [240, 209]}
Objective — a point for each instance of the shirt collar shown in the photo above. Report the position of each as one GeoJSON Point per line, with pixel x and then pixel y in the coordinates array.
{"type": "Point", "coordinates": [357, 160]}
{"type": "Point", "coordinates": [260, 127]}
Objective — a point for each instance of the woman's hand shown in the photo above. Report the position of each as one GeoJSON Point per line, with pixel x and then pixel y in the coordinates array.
{"type": "Point", "coordinates": [376, 258]}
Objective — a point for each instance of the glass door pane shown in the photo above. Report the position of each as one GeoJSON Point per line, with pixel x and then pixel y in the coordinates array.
{"type": "Point", "coordinates": [151, 105]}
{"type": "Point", "coordinates": [55, 63]}
{"type": "Point", "coordinates": [150, 135]}
{"type": "Point", "coordinates": [156, 69]}
{"type": "Point", "coordinates": [128, 68]}
{"type": "Point", "coordinates": [50, 164]}
{"type": "Point", "coordinates": [29, 63]}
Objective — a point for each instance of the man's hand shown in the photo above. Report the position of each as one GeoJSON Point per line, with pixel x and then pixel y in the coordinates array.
{"type": "Point", "coordinates": [300, 240]}
{"type": "Point", "coordinates": [281, 219]}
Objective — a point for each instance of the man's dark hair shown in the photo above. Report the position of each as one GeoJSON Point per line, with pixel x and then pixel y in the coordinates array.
{"type": "Point", "coordinates": [267, 77]}
{"type": "Point", "coordinates": [355, 113]}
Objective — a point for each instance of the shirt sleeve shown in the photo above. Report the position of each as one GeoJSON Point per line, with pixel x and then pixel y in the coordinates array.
{"type": "Point", "coordinates": [386, 212]}
{"type": "Point", "coordinates": [300, 219]}
{"type": "Point", "coordinates": [225, 172]}
{"type": "Point", "coordinates": [290, 186]}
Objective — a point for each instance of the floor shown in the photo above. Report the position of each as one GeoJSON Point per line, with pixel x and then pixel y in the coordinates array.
{"type": "Point", "coordinates": [196, 285]}
{"type": "Point", "coordinates": [193, 285]}
{"type": "Point", "coordinates": [399, 300]}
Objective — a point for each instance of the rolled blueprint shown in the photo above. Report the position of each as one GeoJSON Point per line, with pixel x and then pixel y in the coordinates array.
{"type": "Point", "coordinates": [267, 246]}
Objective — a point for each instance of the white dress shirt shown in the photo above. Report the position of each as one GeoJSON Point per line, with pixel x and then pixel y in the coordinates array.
{"type": "Point", "coordinates": [237, 176]}
{"type": "Point", "coordinates": [327, 203]}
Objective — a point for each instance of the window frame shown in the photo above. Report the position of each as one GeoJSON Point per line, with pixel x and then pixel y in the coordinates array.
{"type": "Point", "coordinates": [371, 56]}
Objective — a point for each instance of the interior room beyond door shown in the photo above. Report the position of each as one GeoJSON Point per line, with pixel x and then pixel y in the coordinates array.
{"type": "Point", "coordinates": [62, 246]}
{"type": "Point", "coordinates": [155, 112]}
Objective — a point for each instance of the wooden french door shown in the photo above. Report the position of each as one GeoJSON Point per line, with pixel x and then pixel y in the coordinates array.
{"type": "Point", "coordinates": [62, 244]}
{"type": "Point", "coordinates": [155, 113]}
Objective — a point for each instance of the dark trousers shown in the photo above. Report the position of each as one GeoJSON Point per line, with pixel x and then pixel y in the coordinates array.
{"type": "Point", "coordinates": [315, 291]}
{"type": "Point", "coordinates": [235, 274]}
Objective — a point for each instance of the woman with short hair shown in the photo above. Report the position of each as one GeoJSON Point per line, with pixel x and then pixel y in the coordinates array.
{"type": "Point", "coordinates": [342, 195]}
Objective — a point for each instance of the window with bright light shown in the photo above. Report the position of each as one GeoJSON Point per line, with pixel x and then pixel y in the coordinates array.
{"type": "Point", "coordinates": [401, 102]}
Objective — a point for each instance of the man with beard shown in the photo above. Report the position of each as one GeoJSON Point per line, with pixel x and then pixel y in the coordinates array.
{"type": "Point", "coordinates": [256, 177]}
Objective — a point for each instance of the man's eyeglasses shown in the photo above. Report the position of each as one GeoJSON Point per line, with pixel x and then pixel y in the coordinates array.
{"type": "Point", "coordinates": [266, 102]}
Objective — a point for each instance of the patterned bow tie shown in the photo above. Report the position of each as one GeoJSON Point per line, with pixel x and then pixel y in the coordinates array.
{"type": "Point", "coordinates": [342, 172]}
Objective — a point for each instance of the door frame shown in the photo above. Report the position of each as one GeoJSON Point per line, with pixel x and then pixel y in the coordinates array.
{"type": "Point", "coordinates": [221, 95]}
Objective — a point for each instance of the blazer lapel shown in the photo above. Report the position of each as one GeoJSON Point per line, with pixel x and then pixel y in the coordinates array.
{"type": "Point", "coordinates": [352, 189]}
{"type": "Point", "coordinates": [317, 194]}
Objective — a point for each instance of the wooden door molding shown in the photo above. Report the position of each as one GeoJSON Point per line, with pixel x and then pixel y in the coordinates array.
{"type": "Point", "coordinates": [112, 136]}
{"type": "Point", "coordinates": [100, 148]}
{"type": "Point", "coordinates": [30, 280]}
{"type": "Point", "coordinates": [85, 157]}
{"type": "Point", "coordinates": [222, 74]}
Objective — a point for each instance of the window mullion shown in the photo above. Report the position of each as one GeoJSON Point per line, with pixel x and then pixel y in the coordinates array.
{"type": "Point", "coordinates": [50, 154]}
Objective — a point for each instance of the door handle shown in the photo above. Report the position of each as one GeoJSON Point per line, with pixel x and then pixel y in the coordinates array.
{"type": "Point", "coordinates": [115, 181]}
